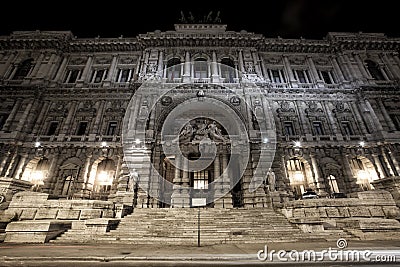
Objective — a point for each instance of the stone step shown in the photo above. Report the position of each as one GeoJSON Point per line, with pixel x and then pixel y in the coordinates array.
{"type": "Point", "coordinates": [179, 226]}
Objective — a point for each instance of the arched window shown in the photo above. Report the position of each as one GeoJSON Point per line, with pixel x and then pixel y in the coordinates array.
{"type": "Point", "coordinates": [23, 69]}
{"type": "Point", "coordinates": [174, 69]}
{"type": "Point", "coordinates": [297, 176]}
{"type": "Point", "coordinates": [228, 70]}
{"type": "Point", "coordinates": [374, 70]}
{"type": "Point", "coordinates": [200, 68]}
{"type": "Point", "coordinates": [363, 170]}
{"type": "Point", "coordinates": [333, 184]}
{"type": "Point", "coordinates": [104, 178]}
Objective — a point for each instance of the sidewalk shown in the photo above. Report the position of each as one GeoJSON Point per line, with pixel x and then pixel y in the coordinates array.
{"type": "Point", "coordinates": [239, 253]}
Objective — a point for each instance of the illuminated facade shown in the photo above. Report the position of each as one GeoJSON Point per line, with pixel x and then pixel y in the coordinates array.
{"type": "Point", "coordinates": [335, 103]}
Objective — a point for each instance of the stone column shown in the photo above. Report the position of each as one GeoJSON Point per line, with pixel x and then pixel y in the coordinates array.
{"type": "Point", "coordinates": [313, 69]}
{"type": "Point", "coordinates": [351, 182]}
{"type": "Point", "coordinates": [99, 115]}
{"type": "Point", "coordinates": [386, 116]}
{"type": "Point", "coordinates": [50, 179]}
{"type": "Point", "coordinates": [6, 66]}
{"type": "Point", "coordinates": [186, 68]}
{"type": "Point", "coordinates": [379, 167]}
{"type": "Point", "coordinates": [86, 189]}
{"type": "Point", "coordinates": [241, 63]}
{"type": "Point", "coordinates": [214, 68]}
{"type": "Point", "coordinates": [185, 184]}
{"type": "Point", "coordinates": [160, 62]}
{"type": "Point", "coordinates": [66, 127]}
{"type": "Point", "coordinates": [394, 74]}
{"type": "Point", "coordinates": [337, 69]}
{"type": "Point", "coordinates": [389, 164]}
{"type": "Point", "coordinates": [303, 119]}
{"type": "Point", "coordinates": [5, 156]}
{"type": "Point", "coordinates": [37, 66]}
{"type": "Point", "coordinates": [217, 182]}
{"type": "Point", "coordinates": [344, 62]}
{"type": "Point", "coordinates": [11, 117]}
{"type": "Point", "coordinates": [111, 71]}
{"type": "Point", "coordinates": [61, 69]}
{"type": "Point", "coordinates": [11, 164]}
{"type": "Point", "coordinates": [19, 169]}
{"type": "Point", "coordinates": [328, 108]}
{"type": "Point", "coordinates": [318, 176]}
{"type": "Point", "coordinates": [361, 66]}
{"type": "Point", "coordinates": [376, 120]}
{"type": "Point", "coordinates": [289, 70]}
{"type": "Point", "coordinates": [394, 161]}
{"type": "Point", "coordinates": [226, 182]}
{"type": "Point", "coordinates": [177, 180]}
{"type": "Point", "coordinates": [359, 119]}
{"type": "Point", "coordinates": [397, 60]}
{"type": "Point", "coordinates": [40, 120]}
{"type": "Point", "coordinates": [22, 120]}
{"type": "Point", "coordinates": [51, 65]}
{"type": "Point", "coordinates": [256, 64]}
{"type": "Point", "coordinates": [145, 62]}
{"type": "Point", "coordinates": [86, 70]}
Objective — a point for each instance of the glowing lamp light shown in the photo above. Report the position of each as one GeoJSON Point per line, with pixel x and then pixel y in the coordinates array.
{"type": "Point", "coordinates": [137, 141]}
{"type": "Point", "coordinates": [265, 140]}
{"type": "Point", "coordinates": [37, 144]}
{"type": "Point", "coordinates": [103, 144]}
{"type": "Point", "coordinates": [362, 143]}
{"type": "Point", "coordinates": [363, 175]}
{"type": "Point", "coordinates": [297, 144]}
{"type": "Point", "coordinates": [103, 178]}
{"type": "Point", "coordinates": [298, 176]}
{"type": "Point", "coordinates": [37, 177]}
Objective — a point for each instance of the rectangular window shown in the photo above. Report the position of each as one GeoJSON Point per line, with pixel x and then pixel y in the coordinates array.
{"type": "Point", "coordinates": [318, 129]}
{"type": "Point", "coordinates": [200, 70]}
{"type": "Point", "coordinates": [112, 128]}
{"type": "Point", "coordinates": [327, 77]}
{"type": "Point", "coordinates": [72, 76]}
{"type": "Point", "coordinates": [98, 75]}
{"type": "Point", "coordinates": [82, 128]}
{"type": "Point", "coordinates": [276, 76]}
{"type": "Point", "coordinates": [302, 76]}
{"type": "Point", "coordinates": [288, 128]}
{"type": "Point", "coordinates": [200, 180]}
{"type": "Point", "coordinates": [346, 127]}
{"type": "Point", "coordinates": [123, 75]}
{"type": "Point", "coordinates": [52, 128]}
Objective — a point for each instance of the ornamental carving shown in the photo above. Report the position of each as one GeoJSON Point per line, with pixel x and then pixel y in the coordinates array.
{"type": "Point", "coordinates": [77, 61]}
{"type": "Point", "coordinates": [102, 60]}
{"type": "Point", "coordinates": [127, 60]}
{"type": "Point", "coordinates": [285, 107]}
{"type": "Point", "coordinates": [202, 129]}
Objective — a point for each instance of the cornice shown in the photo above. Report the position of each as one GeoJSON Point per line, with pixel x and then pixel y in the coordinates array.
{"type": "Point", "coordinates": [66, 42]}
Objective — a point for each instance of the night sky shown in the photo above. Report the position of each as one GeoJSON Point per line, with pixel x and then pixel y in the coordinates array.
{"type": "Point", "coordinates": [310, 19]}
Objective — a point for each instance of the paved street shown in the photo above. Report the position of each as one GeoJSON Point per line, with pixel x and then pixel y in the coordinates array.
{"type": "Point", "coordinates": [222, 255]}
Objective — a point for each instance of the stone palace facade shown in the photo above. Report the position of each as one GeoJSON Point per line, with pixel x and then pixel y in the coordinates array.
{"type": "Point", "coordinates": [334, 103]}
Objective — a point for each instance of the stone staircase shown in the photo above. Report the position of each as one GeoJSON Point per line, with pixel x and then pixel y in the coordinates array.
{"type": "Point", "coordinates": [179, 226]}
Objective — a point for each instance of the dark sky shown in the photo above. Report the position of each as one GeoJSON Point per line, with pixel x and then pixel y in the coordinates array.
{"type": "Point", "coordinates": [311, 19]}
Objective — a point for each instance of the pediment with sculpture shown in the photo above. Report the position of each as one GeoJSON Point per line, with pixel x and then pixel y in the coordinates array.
{"type": "Point", "coordinates": [200, 130]}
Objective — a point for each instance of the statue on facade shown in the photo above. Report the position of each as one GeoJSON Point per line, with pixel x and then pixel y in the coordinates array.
{"type": "Point", "coordinates": [201, 130]}
{"type": "Point", "coordinates": [271, 181]}
{"type": "Point", "coordinates": [183, 19]}
{"type": "Point", "coordinates": [215, 132]}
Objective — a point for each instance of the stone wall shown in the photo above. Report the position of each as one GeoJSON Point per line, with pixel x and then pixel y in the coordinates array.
{"type": "Point", "coordinates": [37, 206]}
{"type": "Point", "coordinates": [370, 211]}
